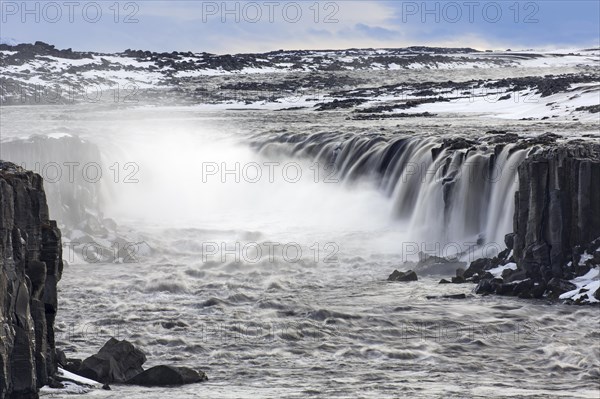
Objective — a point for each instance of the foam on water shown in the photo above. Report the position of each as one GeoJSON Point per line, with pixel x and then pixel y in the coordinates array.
{"type": "Point", "coordinates": [275, 328]}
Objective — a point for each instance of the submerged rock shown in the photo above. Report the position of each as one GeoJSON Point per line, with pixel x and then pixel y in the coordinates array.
{"type": "Point", "coordinates": [403, 276]}
{"type": "Point", "coordinates": [167, 375]}
{"type": "Point", "coordinates": [450, 296]}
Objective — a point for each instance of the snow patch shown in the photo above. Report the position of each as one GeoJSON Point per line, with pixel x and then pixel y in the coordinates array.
{"type": "Point", "coordinates": [497, 271]}
{"type": "Point", "coordinates": [73, 384]}
{"type": "Point", "coordinates": [589, 283]}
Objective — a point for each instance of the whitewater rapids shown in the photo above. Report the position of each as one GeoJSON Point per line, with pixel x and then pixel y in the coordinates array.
{"type": "Point", "coordinates": [325, 327]}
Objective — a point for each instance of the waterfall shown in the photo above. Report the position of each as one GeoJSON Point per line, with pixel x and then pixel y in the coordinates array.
{"type": "Point", "coordinates": [450, 191]}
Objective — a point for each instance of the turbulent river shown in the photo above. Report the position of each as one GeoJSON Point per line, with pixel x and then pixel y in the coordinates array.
{"type": "Point", "coordinates": [257, 261]}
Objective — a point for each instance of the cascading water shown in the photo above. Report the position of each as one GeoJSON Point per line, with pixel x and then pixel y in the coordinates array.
{"type": "Point", "coordinates": [308, 326]}
{"type": "Point", "coordinates": [445, 195]}
{"type": "Point", "coordinates": [441, 195]}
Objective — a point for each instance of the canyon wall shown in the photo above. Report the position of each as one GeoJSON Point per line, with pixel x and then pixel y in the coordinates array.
{"type": "Point", "coordinates": [30, 268]}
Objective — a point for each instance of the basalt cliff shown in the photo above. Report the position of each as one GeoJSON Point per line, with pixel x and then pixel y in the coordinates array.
{"type": "Point", "coordinates": [30, 268]}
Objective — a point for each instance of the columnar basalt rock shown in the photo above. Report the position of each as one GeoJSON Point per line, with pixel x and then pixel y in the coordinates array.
{"type": "Point", "coordinates": [557, 209]}
{"type": "Point", "coordinates": [30, 268]}
{"type": "Point", "coordinates": [556, 234]}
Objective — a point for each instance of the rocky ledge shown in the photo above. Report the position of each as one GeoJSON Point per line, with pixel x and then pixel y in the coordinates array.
{"type": "Point", "coordinates": [30, 268]}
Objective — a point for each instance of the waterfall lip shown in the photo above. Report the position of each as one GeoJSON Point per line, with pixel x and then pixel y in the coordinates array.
{"type": "Point", "coordinates": [464, 192]}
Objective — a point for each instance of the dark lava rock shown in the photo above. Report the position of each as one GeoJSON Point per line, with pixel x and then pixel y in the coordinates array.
{"type": "Point", "coordinates": [488, 286]}
{"type": "Point", "coordinates": [496, 131]}
{"type": "Point", "coordinates": [29, 243]}
{"type": "Point", "coordinates": [444, 281]}
{"type": "Point", "coordinates": [505, 289]}
{"type": "Point", "coordinates": [451, 296]}
{"type": "Point", "coordinates": [403, 276]}
{"type": "Point", "coordinates": [515, 275]}
{"type": "Point", "coordinates": [340, 104]}
{"type": "Point", "coordinates": [458, 280]}
{"type": "Point", "coordinates": [477, 267]}
{"type": "Point", "coordinates": [557, 209]}
{"type": "Point", "coordinates": [538, 290]}
{"type": "Point", "coordinates": [556, 287]}
{"type": "Point", "coordinates": [172, 324]}
{"type": "Point", "coordinates": [73, 365]}
{"type": "Point", "coordinates": [117, 361]}
{"type": "Point", "coordinates": [592, 109]}
{"type": "Point", "coordinates": [504, 254]}
{"type": "Point", "coordinates": [453, 144]}
{"type": "Point", "coordinates": [61, 358]}
{"type": "Point", "coordinates": [509, 240]}
{"type": "Point", "coordinates": [52, 383]}
{"type": "Point", "coordinates": [363, 117]}
{"type": "Point", "coordinates": [167, 375]}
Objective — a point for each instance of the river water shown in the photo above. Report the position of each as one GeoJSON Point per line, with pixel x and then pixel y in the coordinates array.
{"type": "Point", "coordinates": [277, 287]}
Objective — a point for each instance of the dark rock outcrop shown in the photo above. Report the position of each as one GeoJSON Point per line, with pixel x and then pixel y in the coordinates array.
{"type": "Point", "coordinates": [556, 287]}
{"type": "Point", "coordinates": [451, 296]}
{"type": "Point", "coordinates": [30, 268]}
{"type": "Point", "coordinates": [557, 208]}
{"type": "Point", "coordinates": [403, 276]}
{"type": "Point", "coordinates": [121, 362]}
{"type": "Point", "coordinates": [167, 375]}
{"type": "Point", "coordinates": [116, 361]}
{"type": "Point", "coordinates": [556, 222]}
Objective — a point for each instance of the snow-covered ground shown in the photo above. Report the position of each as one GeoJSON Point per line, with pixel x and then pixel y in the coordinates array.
{"type": "Point", "coordinates": [42, 73]}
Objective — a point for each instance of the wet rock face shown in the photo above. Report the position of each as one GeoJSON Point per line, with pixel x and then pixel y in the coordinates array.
{"type": "Point", "coordinates": [30, 267]}
{"type": "Point", "coordinates": [117, 361]}
{"type": "Point", "coordinates": [556, 226]}
{"type": "Point", "coordinates": [557, 209]}
{"type": "Point", "coordinates": [403, 276]}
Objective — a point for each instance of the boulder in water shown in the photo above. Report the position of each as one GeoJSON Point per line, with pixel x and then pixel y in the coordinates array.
{"type": "Point", "coordinates": [403, 276]}
{"type": "Point", "coordinates": [117, 361]}
{"type": "Point", "coordinates": [166, 376]}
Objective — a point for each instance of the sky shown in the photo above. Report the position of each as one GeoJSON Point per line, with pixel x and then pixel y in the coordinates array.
{"type": "Point", "coordinates": [257, 26]}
